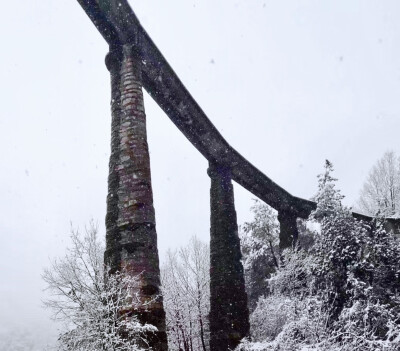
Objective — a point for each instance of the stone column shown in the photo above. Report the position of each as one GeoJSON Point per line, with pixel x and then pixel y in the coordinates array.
{"type": "Point", "coordinates": [229, 314]}
{"type": "Point", "coordinates": [288, 230]}
{"type": "Point", "coordinates": [131, 238]}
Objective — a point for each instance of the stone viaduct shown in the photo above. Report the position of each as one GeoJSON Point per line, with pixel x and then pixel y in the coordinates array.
{"type": "Point", "coordinates": [135, 62]}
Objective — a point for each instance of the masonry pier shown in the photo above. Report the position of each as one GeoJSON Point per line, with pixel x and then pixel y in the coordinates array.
{"type": "Point", "coordinates": [288, 233]}
{"type": "Point", "coordinates": [229, 315]}
{"type": "Point", "coordinates": [131, 238]}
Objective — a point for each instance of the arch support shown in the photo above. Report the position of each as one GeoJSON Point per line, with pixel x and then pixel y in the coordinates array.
{"type": "Point", "coordinates": [289, 233]}
{"type": "Point", "coordinates": [229, 315]}
{"type": "Point", "coordinates": [131, 238]}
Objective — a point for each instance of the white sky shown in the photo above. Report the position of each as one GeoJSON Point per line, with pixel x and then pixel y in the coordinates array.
{"type": "Point", "coordinates": [288, 84]}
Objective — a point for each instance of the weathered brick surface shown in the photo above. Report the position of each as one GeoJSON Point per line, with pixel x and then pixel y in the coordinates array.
{"type": "Point", "coordinates": [229, 315]}
{"type": "Point", "coordinates": [131, 236]}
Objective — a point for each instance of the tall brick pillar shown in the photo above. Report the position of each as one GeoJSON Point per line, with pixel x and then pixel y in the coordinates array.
{"type": "Point", "coordinates": [131, 238]}
{"type": "Point", "coordinates": [289, 233]}
{"type": "Point", "coordinates": [229, 314]}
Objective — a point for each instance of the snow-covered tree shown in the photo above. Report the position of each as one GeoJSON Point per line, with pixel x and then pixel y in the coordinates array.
{"type": "Point", "coordinates": [342, 294]}
{"type": "Point", "coordinates": [185, 280]}
{"type": "Point", "coordinates": [381, 191]}
{"type": "Point", "coordinates": [91, 303]}
{"type": "Point", "coordinates": [350, 254]}
{"type": "Point", "coordinates": [259, 240]}
{"type": "Point", "coordinates": [328, 198]}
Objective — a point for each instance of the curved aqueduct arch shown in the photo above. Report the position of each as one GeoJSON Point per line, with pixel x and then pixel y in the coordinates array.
{"type": "Point", "coordinates": [135, 62]}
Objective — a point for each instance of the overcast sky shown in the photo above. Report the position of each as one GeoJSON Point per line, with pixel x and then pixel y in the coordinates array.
{"type": "Point", "coordinates": [287, 83]}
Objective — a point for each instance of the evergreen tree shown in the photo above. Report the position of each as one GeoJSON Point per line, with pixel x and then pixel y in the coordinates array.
{"type": "Point", "coordinates": [343, 293]}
